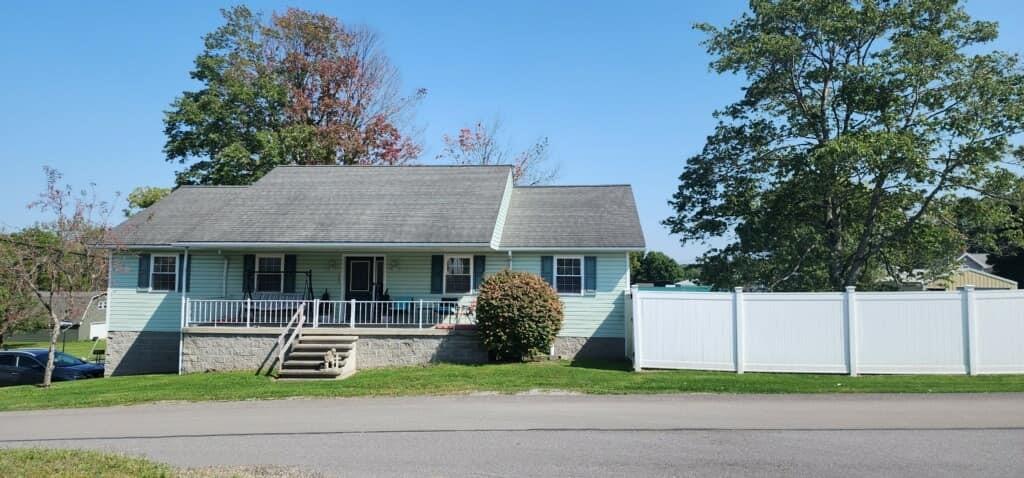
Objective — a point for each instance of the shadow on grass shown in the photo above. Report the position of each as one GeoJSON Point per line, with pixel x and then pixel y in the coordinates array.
{"type": "Point", "coordinates": [599, 364]}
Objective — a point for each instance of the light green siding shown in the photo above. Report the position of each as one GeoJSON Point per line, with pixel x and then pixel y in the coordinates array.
{"type": "Point", "coordinates": [326, 268]}
{"type": "Point", "coordinates": [601, 314]}
{"type": "Point", "coordinates": [132, 309]}
{"type": "Point", "coordinates": [407, 277]}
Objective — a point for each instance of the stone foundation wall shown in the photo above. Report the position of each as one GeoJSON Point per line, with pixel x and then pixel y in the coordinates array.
{"type": "Point", "coordinates": [223, 352]}
{"type": "Point", "coordinates": [133, 353]}
{"type": "Point", "coordinates": [570, 348]}
{"type": "Point", "coordinates": [375, 351]}
{"type": "Point", "coordinates": [212, 351]}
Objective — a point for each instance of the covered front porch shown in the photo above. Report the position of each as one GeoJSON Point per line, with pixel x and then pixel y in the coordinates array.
{"type": "Point", "coordinates": [409, 289]}
{"type": "Point", "coordinates": [276, 312]}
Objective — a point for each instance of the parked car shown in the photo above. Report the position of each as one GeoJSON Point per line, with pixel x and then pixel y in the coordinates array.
{"type": "Point", "coordinates": [25, 366]}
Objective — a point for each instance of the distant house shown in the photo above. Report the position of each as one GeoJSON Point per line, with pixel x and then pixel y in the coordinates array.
{"type": "Point", "coordinates": [974, 270]}
{"type": "Point", "coordinates": [87, 322]}
{"type": "Point", "coordinates": [381, 265]}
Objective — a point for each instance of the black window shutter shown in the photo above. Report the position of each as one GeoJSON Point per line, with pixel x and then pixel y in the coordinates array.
{"type": "Point", "coordinates": [590, 274]}
{"type": "Point", "coordinates": [479, 265]}
{"type": "Point", "coordinates": [188, 274]}
{"type": "Point", "coordinates": [289, 273]}
{"type": "Point", "coordinates": [436, 274]}
{"type": "Point", "coordinates": [547, 269]}
{"type": "Point", "coordinates": [181, 272]}
{"type": "Point", "coordinates": [143, 282]}
{"type": "Point", "coordinates": [248, 269]}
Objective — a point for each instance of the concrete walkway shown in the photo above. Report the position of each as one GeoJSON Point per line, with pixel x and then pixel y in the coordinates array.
{"type": "Point", "coordinates": [782, 435]}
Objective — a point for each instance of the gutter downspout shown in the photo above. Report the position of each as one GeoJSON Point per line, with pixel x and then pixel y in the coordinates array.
{"type": "Point", "coordinates": [110, 286]}
{"type": "Point", "coordinates": [627, 311]}
{"type": "Point", "coordinates": [184, 312]}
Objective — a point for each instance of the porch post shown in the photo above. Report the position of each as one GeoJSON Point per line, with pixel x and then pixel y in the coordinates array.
{"type": "Point", "coordinates": [248, 313]}
{"type": "Point", "coordinates": [420, 313]}
{"type": "Point", "coordinates": [352, 313]}
{"type": "Point", "coordinates": [180, 278]}
{"type": "Point", "coordinates": [316, 313]}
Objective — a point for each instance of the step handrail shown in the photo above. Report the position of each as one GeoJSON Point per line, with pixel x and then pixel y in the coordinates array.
{"type": "Point", "coordinates": [298, 318]}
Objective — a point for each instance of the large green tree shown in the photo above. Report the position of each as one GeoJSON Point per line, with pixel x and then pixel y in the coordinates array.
{"type": "Point", "coordinates": [860, 122]}
{"type": "Point", "coordinates": [655, 266]}
{"type": "Point", "coordinates": [144, 196]}
{"type": "Point", "coordinates": [301, 88]}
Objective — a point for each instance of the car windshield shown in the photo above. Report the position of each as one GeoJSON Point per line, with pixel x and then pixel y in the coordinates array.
{"type": "Point", "coordinates": [61, 359]}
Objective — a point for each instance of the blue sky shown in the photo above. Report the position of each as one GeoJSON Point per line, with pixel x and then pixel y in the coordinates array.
{"type": "Point", "coordinates": [621, 89]}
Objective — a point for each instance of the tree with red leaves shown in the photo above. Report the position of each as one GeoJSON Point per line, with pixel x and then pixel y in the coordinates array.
{"type": "Point", "coordinates": [303, 88]}
{"type": "Point", "coordinates": [481, 145]}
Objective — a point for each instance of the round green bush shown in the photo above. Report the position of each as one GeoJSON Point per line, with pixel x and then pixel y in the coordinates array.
{"type": "Point", "coordinates": [518, 315]}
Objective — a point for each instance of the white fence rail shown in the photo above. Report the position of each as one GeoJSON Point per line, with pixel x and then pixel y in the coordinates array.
{"type": "Point", "coordinates": [970, 331]}
{"type": "Point", "coordinates": [326, 313]}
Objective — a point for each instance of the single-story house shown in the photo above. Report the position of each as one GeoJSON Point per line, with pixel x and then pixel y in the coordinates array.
{"type": "Point", "coordinates": [378, 265]}
{"type": "Point", "coordinates": [87, 321]}
{"type": "Point", "coordinates": [974, 269]}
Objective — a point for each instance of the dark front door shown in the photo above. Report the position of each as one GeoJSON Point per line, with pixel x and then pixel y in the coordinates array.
{"type": "Point", "coordinates": [364, 278]}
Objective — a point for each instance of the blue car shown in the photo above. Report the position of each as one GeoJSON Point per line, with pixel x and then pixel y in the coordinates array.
{"type": "Point", "coordinates": [25, 367]}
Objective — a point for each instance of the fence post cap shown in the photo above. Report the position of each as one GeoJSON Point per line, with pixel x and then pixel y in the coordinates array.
{"type": "Point", "coordinates": [738, 289]}
{"type": "Point", "coordinates": [851, 288]}
{"type": "Point", "coordinates": [969, 287]}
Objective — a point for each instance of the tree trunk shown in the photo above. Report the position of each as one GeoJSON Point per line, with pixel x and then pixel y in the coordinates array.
{"type": "Point", "coordinates": [48, 372]}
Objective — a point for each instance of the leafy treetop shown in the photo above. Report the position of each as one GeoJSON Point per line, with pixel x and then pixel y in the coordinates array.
{"type": "Point", "coordinates": [302, 88]}
{"type": "Point", "coordinates": [861, 122]}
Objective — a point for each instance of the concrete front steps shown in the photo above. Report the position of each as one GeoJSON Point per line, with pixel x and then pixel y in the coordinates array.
{"type": "Point", "coordinates": [305, 360]}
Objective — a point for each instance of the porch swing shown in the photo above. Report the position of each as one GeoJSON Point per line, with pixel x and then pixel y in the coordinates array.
{"type": "Point", "coordinates": [249, 284]}
{"type": "Point", "coordinates": [276, 307]}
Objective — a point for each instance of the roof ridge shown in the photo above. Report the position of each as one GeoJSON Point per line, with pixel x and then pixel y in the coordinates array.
{"type": "Point", "coordinates": [542, 186]}
{"type": "Point", "coordinates": [213, 186]}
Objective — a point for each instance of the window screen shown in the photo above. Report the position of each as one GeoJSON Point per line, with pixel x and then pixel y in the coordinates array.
{"type": "Point", "coordinates": [569, 275]}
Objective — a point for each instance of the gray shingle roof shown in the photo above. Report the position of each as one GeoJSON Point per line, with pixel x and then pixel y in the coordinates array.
{"type": "Point", "coordinates": [346, 204]}
{"type": "Point", "coordinates": [572, 216]}
{"type": "Point", "coordinates": [396, 205]}
{"type": "Point", "coordinates": [171, 218]}
{"type": "Point", "coordinates": [362, 204]}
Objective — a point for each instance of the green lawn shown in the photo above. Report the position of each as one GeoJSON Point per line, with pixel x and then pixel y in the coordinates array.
{"type": "Point", "coordinates": [78, 348]}
{"type": "Point", "coordinates": [44, 463]}
{"type": "Point", "coordinates": [583, 377]}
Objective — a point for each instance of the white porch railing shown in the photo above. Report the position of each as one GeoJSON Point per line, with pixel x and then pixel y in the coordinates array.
{"type": "Point", "coordinates": [327, 313]}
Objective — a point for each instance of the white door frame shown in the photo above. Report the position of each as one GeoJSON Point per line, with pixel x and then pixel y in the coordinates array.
{"type": "Point", "coordinates": [384, 271]}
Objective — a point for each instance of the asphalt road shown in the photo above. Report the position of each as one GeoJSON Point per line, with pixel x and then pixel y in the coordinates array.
{"type": "Point", "coordinates": [681, 435]}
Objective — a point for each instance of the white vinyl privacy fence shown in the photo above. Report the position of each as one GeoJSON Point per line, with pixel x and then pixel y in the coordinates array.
{"type": "Point", "coordinates": [969, 331]}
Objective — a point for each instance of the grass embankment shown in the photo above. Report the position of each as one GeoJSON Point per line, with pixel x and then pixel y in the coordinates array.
{"type": "Point", "coordinates": [45, 463]}
{"type": "Point", "coordinates": [78, 348]}
{"type": "Point", "coordinates": [583, 377]}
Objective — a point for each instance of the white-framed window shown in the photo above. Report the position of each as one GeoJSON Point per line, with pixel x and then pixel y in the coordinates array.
{"type": "Point", "coordinates": [569, 275]}
{"type": "Point", "coordinates": [458, 274]}
{"type": "Point", "coordinates": [163, 272]}
{"type": "Point", "coordinates": [269, 273]}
